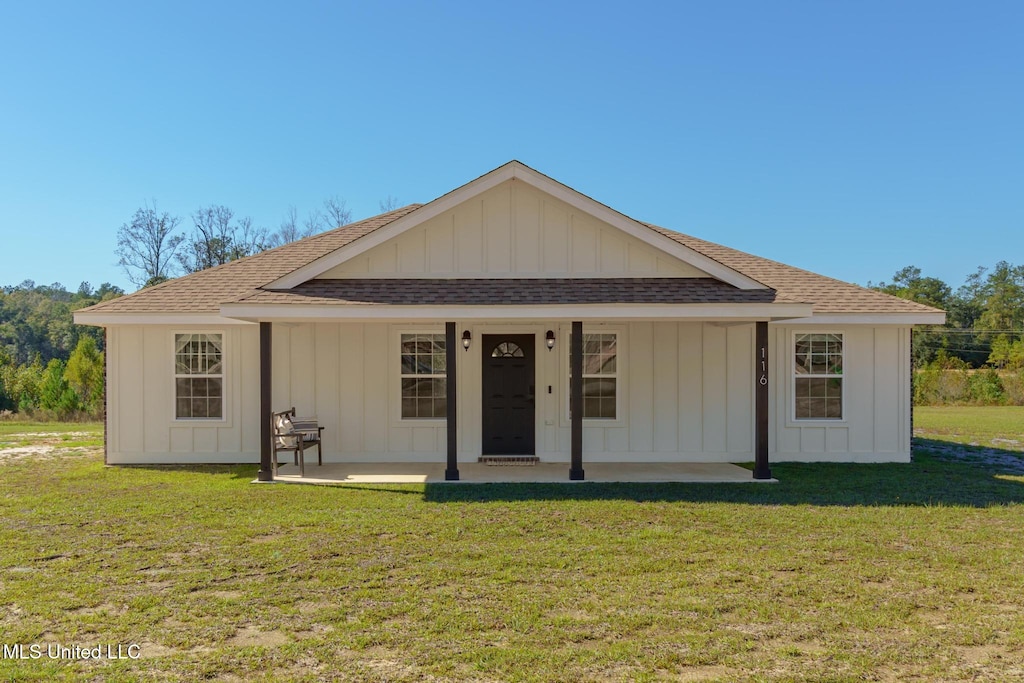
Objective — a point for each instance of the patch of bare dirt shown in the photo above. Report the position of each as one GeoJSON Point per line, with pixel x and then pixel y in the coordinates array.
{"type": "Point", "coordinates": [979, 654]}
{"type": "Point", "coordinates": [703, 673]}
{"type": "Point", "coordinates": [105, 608]}
{"type": "Point", "coordinates": [248, 637]}
{"type": "Point", "coordinates": [149, 650]}
{"type": "Point", "coordinates": [45, 445]}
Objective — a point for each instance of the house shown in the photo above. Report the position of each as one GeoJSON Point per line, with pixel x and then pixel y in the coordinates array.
{"type": "Point", "coordinates": [474, 325]}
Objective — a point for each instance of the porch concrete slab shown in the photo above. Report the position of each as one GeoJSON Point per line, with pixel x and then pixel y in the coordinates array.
{"type": "Point", "coordinates": [477, 473]}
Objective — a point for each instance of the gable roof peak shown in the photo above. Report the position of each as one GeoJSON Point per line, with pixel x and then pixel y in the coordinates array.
{"type": "Point", "coordinates": [518, 171]}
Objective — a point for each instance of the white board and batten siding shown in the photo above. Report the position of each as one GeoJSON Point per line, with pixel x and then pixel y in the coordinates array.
{"type": "Point", "coordinates": [685, 394]}
{"type": "Point", "coordinates": [877, 399]}
{"type": "Point", "coordinates": [141, 424]}
{"type": "Point", "coordinates": [513, 230]}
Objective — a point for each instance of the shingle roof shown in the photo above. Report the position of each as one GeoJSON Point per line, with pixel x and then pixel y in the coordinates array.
{"type": "Point", "coordinates": [827, 294]}
{"type": "Point", "coordinates": [513, 291]}
{"type": "Point", "coordinates": [242, 280]}
{"type": "Point", "coordinates": [205, 291]}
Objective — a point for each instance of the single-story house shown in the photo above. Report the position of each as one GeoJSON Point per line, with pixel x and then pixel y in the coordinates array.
{"type": "Point", "coordinates": [511, 317]}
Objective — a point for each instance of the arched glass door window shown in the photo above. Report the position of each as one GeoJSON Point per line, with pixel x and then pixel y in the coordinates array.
{"type": "Point", "coordinates": [507, 350]}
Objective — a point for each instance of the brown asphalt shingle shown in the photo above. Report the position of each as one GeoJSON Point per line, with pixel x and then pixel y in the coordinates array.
{"type": "Point", "coordinates": [827, 295]}
{"type": "Point", "coordinates": [242, 280]}
{"type": "Point", "coordinates": [513, 291]}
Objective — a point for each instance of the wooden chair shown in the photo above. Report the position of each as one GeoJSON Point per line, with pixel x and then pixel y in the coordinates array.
{"type": "Point", "coordinates": [296, 434]}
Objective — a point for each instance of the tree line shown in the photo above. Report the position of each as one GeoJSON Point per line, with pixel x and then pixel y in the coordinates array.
{"type": "Point", "coordinates": [153, 247]}
{"type": "Point", "coordinates": [49, 366]}
{"type": "Point", "coordinates": [978, 355]}
{"type": "Point", "coordinates": [52, 368]}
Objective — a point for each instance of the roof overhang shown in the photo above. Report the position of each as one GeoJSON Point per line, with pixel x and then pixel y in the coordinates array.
{"type": "Point", "coordinates": [924, 318]}
{"type": "Point", "coordinates": [519, 172]}
{"type": "Point", "coordinates": [109, 318]}
{"type": "Point", "coordinates": [585, 312]}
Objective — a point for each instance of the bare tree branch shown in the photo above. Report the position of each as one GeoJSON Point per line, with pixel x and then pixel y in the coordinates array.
{"type": "Point", "coordinates": [217, 239]}
{"type": "Point", "coordinates": [388, 204]}
{"type": "Point", "coordinates": [147, 247]}
{"type": "Point", "coordinates": [338, 214]}
{"type": "Point", "coordinates": [314, 223]}
{"type": "Point", "coordinates": [288, 230]}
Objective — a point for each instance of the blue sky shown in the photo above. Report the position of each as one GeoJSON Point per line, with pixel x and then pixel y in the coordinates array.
{"type": "Point", "coordinates": [847, 138]}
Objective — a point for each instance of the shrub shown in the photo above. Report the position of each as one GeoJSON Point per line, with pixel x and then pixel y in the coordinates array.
{"type": "Point", "coordinates": [985, 387]}
{"type": "Point", "coordinates": [1013, 388]}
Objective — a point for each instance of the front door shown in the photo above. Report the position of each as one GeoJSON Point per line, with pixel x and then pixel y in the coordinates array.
{"type": "Point", "coordinates": [508, 402]}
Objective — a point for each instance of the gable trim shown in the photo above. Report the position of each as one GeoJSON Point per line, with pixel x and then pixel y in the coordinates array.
{"type": "Point", "coordinates": [517, 171]}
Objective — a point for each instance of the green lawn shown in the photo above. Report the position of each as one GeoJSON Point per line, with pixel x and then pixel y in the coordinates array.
{"type": "Point", "coordinates": [994, 426]}
{"type": "Point", "coordinates": [837, 573]}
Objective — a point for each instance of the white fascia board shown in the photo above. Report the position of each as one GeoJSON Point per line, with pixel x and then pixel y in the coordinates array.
{"type": "Point", "coordinates": [517, 171]}
{"type": "Point", "coordinates": [107, 319]}
{"type": "Point", "coordinates": [324, 313]}
{"type": "Point", "coordinates": [872, 319]}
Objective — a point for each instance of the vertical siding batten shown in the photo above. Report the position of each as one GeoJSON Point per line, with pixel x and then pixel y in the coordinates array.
{"type": "Point", "coordinates": [666, 387]}
{"type": "Point", "coordinates": [640, 387]}
{"type": "Point", "coordinates": [691, 387]}
{"type": "Point", "coordinates": [714, 389]}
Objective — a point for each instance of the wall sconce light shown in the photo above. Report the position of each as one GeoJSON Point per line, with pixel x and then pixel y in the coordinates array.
{"type": "Point", "coordinates": [466, 339]}
{"type": "Point", "coordinates": [551, 339]}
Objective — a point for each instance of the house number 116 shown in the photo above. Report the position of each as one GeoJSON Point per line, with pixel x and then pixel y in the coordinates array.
{"type": "Point", "coordinates": [763, 377]}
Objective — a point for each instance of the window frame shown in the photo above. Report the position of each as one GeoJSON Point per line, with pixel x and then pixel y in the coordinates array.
{"type": "Point", "coordinates": [223, 375]}
{"type": "Point", "coordinates": [402, 419]}
{"type": "Point", "coordinates": [619, 376]}
{"type": "Point", "coordinates": [793, 376]}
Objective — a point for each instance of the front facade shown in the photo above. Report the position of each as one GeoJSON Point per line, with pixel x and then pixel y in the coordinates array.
{"type": "Point", "coordinates": [444, 333]}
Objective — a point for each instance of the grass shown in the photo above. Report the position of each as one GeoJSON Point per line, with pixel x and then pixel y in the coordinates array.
{"type": "Point", "coordinates": [51, 435]}
{"type": "Point", "coordinates": [993, 427]}
{"type": "Point", "coordinates": [837, 573]}
{"type": "Point", "coordinates": [13, 427]}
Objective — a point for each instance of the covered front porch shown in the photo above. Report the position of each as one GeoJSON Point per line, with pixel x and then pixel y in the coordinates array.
{"type": "Point", "coordinates": [688, 398]}
{"type": "Point", "coordinates": [568, 372]}
{"type": "Point", "coordinates": [540, 473]}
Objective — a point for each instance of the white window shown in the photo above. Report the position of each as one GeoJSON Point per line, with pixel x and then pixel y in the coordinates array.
{"type": "Point", "coordinates": [424, 376]}
{"type": "Point", "coordinates": [199, 376]}
{"type": "Point", "coordinates": [818, 376]}
{"type": "Point", "coordinates": [600, 376]}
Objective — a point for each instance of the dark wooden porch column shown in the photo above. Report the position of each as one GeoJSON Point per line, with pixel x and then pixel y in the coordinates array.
{"type": "Point", "coordinates": [761, 469]}
{"type": "Point", "coordinates": [266, 472]}
{"type": "Point", "coordinates": [451, 472]}
{"type": "Point", "coordinates": [576, 397]}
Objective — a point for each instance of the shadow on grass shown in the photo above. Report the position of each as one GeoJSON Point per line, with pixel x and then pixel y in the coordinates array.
{"type": "Point", "coordinates": [243, 472]}
{"type": "Point", "coordinates": [930, 480]}
{"type": "Point", "coordinates": [993, 459]}
{"type": "Point", "coordinates": [799, 484]}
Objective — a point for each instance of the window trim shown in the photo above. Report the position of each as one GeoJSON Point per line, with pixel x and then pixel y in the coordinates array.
{"type": "Point", "coordinates": [792, 377]}
{"type": "Point", "coordinates": [620, 374]}
{"type": "Point", "coordinates": [396, 358]}
{"type": "Point", "coordinates": [225, 375]}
